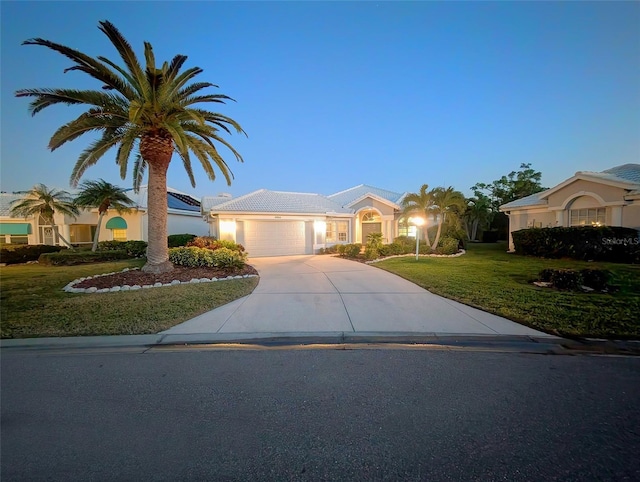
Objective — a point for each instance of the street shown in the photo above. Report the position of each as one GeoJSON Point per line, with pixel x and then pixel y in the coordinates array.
{"type": "Point", "coordinates": [318, 414]}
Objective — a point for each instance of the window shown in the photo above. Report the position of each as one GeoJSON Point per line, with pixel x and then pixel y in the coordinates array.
{"type": "Point", "coordinates": [370, 216]}
{"type": "Point", "coordinates": [337, 231]}
{"type": "Point", "coordinates": [17, 239]}
{"type": "Point", "coordinates": [588, 217]}
{"type": "Point", "coordinates": [343, 227]}
{"type": "Point", "coordinates": [119, 234]}
{"type": "Point", "coordinates": [81, 233]}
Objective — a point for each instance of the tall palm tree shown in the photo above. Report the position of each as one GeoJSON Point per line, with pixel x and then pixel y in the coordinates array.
{"type": "Point", "coordinates": [45, 202]}
{"type": "Point", "coordinates": [477, 214]}
{"type": "Point", "coordinates": [104, 196]}
{"type": "Point", "coordinates": [420, 202]}
{"type": "Point", "coordinates": [147, 111]}
{"type": "Point", "coordinates": [448, 206]}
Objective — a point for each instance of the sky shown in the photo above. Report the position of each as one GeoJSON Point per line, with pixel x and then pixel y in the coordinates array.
{"type": "Point", "coordinates": [336, 94]}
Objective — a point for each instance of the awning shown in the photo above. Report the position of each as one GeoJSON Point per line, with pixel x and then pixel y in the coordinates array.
{"type": "Point", "coordinates": [20, 229]}
{"type": "Point", "coordinates": [116, 223]}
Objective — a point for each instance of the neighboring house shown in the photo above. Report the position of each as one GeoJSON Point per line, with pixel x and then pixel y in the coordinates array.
{"type": "Point", "coordinates": [610, 197]}
{"type": "Point", "coordinates": [183, 217]}
{"type": "Point", "coordinates": [275, 223]}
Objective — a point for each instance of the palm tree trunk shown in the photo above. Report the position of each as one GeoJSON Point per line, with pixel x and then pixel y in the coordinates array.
{"type": "Point", "coordinates": [96, 236]}
{"type": "Point", "coordinates": [474, 229]}
{"type": "Point", "coordinates": [58, 236]}
{"type": "Point", "coordinates": [157, 251]}
{"type": "Point", "coordinates": [437, 240]}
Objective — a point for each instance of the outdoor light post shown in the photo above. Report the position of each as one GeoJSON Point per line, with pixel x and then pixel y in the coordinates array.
{"type": "Point", "coordinates": [417, 222]}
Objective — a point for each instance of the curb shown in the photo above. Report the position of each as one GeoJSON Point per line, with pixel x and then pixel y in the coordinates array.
{"type": "Point", "coordinates": [549, 345]}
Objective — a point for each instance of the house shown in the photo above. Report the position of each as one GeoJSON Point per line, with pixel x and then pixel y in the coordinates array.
{"type": "Point", "coordinates": [610, 197]}
{"type": "Point", "coordinates": [276, 223]}
{"type": "Point", "coordinates": [183, 216]}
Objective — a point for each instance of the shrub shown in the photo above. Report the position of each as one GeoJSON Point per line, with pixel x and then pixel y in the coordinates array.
{"type": "Point", "coordinates": [601, 243]}
{"type": "Point", "coordinates": [598, 279]}
{"type": "Point", "coordinates": [392, 249]}
{"type": "Point", "coordinates": [371, 253]}
{"type": "Point", "coordinates": [545, 274]}
{"type": "Point", "coordinates": [352, 250]}
{"type": "Point", "coordinates": [71, 257]}
{"type": "Point", "coordinates": [331, 249]}
{"type": "Point", "coordinates": [566, 279]}
{"type": "Point", "coordinates": [193, 257]}
{"type": "Point", "coordinates": [21, 253]}
{"type": "Point", "coordinates": [178, 240]}
{"type": "Point", "coordinates": [408, 244]}
{"type": "Point", "coordinates": [134, 249]}
{"type": "Point", "coordinates": [211, 243]}
{"type": "Point", "coordinates": [448, 246]}
{"type": "Point", "coordinates": [340, 249]}
{"type": "Point", "coordinates": [374, 240]}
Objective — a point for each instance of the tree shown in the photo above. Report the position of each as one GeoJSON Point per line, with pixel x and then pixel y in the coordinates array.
{"type": "Point", "coordinates": [448, 207]}
{"type": "Point", "coordinates": [45, 202]}
{"type": "Point", "coordinates": [104, 196]}
{"type": "Point", "coordinates": [477, 214]}
{"type": "Point", "coordinates": [515, 185]}
{"type": "Point", "coordinates": [148, 112]}
{"type": "Point", "coordinates": [420, 202]}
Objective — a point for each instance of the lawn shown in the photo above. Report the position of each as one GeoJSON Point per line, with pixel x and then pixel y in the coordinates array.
{"type": "Point", "coordinates": [33, 303]}
{"type": "Point", "coordinates": [488, 278]}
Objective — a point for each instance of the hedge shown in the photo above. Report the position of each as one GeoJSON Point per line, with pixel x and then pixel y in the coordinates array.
{"type": "Point", "coordinates": [27, 252]}
{"type": "Point", "coordinates": [179, 240]}
{"type": "Point", "coordinates": [598, 243]}
{"type": "Point", "coordinates": [69, 258]}
{"type": "Point", "coordinates": [193, 257]}
{"type": "Point", "coordinates": [135, 249]}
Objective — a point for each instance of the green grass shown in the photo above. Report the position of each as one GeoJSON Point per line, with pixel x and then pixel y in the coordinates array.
{"type": "Point", "coordinates": [32, 303]}
{"type": "Point", "coordinates": [498, 282]}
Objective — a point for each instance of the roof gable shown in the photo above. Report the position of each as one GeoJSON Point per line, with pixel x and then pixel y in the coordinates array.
{"type": "Point", "coordinates": [358, 193]}
{"type": "Point", "coordinates": [265, 201]}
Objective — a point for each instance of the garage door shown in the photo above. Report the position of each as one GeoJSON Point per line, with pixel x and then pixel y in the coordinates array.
{"type": "Point", "coordinates": [274, 238]}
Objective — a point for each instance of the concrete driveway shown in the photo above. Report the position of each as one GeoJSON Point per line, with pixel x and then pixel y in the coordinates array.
{"type": "Point", "coordinates": [316, 294]}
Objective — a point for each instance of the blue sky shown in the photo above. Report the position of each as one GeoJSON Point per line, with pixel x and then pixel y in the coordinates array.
{"type": "Point", "coordinates": [335, 94]}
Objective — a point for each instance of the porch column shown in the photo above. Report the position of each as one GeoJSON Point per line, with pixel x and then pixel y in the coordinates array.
{"type": "Point", "coordinates": [66, 232]}
{"type": "Point", "coordinates": [616, 215]}
{"type": "Point", "coordinates": [560, 217]}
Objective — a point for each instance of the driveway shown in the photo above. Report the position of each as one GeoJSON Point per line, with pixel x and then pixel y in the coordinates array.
{"type": "Point", "coordinates": [315, 294]}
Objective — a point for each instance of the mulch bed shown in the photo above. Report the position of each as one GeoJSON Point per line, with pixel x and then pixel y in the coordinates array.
{"type": "Point", "coordinates": [180, 273]}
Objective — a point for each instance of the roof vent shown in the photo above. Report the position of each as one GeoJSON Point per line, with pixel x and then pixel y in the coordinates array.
{"type": "Point", "coordinates": [225, 194]}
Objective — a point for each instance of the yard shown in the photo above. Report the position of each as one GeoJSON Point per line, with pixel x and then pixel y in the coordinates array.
{"type": "Point", "coordinates": [33, 303]}
{"type": "Point", "coordinates": [492, 280]}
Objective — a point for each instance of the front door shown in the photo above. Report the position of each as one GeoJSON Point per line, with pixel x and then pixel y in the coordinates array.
{"type": "Point", "coordinates": [368, 228]}
{"type": "Point", "coordinates": [46, 235]}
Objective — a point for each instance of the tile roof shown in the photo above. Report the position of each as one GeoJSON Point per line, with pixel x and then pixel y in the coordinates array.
{"type": "Point", "coordinates": [265, 201]}
{"type": "Point", "coordinates": [5, 202]}
{"type": "Point", "coordinates": [344, 198]}
{"type": "Point", "coordinates": [532, 200]}
{"type": "Point", "coordinates": [208, 202]}
{"type": "Point", "coordinates": [624, 173]}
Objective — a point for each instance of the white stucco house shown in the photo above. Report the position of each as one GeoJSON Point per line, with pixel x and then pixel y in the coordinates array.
{"type": "Point", "coordinates": [610, 197]}
{"type": "Point", "coordinates": [183, 212]}
{"type": "Point", "coordinates": [276, 223]}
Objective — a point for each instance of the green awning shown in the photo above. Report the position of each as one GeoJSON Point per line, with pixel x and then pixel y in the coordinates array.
{"type": "Point", "coordinates": [116, 223]}
{"type": "Point", "coordinates": [20, 229]}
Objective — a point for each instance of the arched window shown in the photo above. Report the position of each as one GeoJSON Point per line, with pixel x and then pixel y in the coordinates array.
{"type": "Point", "coordinates": [370, 216]}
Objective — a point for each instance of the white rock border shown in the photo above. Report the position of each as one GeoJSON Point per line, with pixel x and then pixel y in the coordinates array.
{"type": "Point", "coordinates": [70, 287]}
{"type": "Point", "coordinates": [459, 253]}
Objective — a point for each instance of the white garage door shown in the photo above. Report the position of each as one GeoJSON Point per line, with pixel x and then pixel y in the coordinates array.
{"type": "Point", "coordinates": [274, 238]}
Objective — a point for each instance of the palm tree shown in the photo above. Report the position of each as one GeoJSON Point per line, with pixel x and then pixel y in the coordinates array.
{"type": "Point", "coordinates": [104, 196]}
{"type": "Point", "coordinates": [420, 202]}
{"type": "Point", "coordinates": [448, 206]}
{"type": "Point", "coordinates": [45, 202]}
{"type": "Point", "coordinates": [148, 112]}
{"type": "Point", "coordinates": [477, 214]}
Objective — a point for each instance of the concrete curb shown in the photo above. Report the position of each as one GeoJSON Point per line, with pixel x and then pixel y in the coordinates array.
{"type": "Point", "coordinates": [502, 343]}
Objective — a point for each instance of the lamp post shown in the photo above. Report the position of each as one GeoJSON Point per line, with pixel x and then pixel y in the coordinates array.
{"type": "Point", "coordinates": [417, 222]}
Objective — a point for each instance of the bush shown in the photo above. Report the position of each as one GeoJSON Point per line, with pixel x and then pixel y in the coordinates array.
{"type": "Point", "coordinates": [351, 250]}
{"type": "Point", "coordinates": [21, 253]}
{"type": "Point", "coordinates": [134, 249]}
{"type": "Point", "coordinates": [448, 246]}
{"type": "Point", "coordinates": [178, 240]}
{"type": "Point", "coordinates": [70, 257]}
{"type": "Point", "coordinates": [340, 249]}
{"type": "Point", "coordinates": [392, 249]}
{"type": "Point", "coordinates": [545, 275]}
{"type": "Point", "coordinates": [601, 243]}
{"type": "Point", "coordinates": [598, 279]}
{"type": "Point", "coordinates": [211, 243]}
{"type": "Point", "coordinates": [194, 257]}
{"type": "Point", "coordinates": [331, 249]}
{"type": "Point", "coordinates": [374, 240]}
{"type": "Point", "coordinates": [566, 279]}
{"type": "Point", "coordinates": [371, 253]}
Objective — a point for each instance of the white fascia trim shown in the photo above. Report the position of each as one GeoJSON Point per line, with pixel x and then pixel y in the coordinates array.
{"type": "Point", "coordinates": [377, 198]}
{"type": "Point", "coordinates": [580, 176]}
{"type": "Point", "coordinates": [277, 213]}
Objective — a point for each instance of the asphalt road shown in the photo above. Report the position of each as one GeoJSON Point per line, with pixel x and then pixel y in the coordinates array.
{"type": "Point", "coordinates": [318, 415]}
